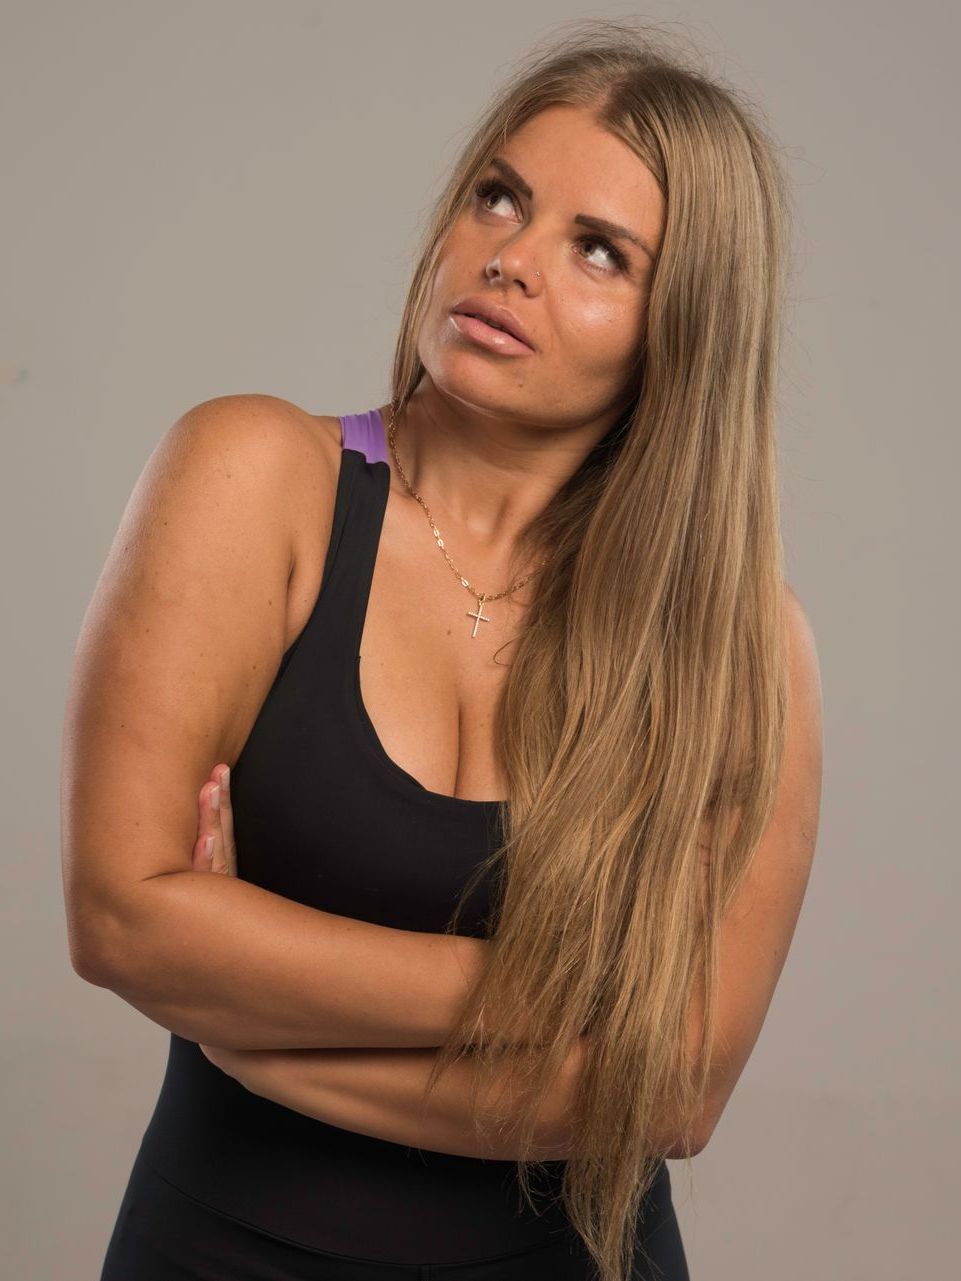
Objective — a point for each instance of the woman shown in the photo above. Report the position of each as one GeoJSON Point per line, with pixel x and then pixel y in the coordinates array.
{"type": "Point", "coordinates": [523, 725]}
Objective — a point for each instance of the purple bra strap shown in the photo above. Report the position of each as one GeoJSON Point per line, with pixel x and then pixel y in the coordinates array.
{"type": "Point", "coordinates": [366, 433]}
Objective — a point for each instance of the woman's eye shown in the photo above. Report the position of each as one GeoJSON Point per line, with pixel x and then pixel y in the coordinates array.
{"type": "Point", "coordinates": [613, 255]}
{"type": "Point", "coordinates": [487, 189]}
{"type": "Point", "coordinates": [494, 188]}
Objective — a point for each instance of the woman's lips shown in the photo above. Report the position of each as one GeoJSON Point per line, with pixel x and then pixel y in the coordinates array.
{"type": "Point", "coordinates": [486, 335]}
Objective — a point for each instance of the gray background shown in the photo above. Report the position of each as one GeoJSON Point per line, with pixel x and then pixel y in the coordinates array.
{"type": "Point", "coordinates": [208, 198]}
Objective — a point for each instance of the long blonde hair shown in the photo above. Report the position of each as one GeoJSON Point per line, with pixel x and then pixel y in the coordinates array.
{"type": "Point", "coordinates": [641, 722]}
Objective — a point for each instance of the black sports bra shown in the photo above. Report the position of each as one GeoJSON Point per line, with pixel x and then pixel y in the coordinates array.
{"type": "Point", "coordinates": [324, 816]}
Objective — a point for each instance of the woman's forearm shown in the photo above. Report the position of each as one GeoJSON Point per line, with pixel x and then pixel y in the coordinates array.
{"type": "Point", "coordinates": [381, 1093]}
{"type": "Point", "coordinates": [218, 960]}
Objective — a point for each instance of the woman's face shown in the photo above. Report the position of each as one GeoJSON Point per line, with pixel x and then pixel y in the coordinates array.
{"type": "Point", "coordinates": [585, 312]}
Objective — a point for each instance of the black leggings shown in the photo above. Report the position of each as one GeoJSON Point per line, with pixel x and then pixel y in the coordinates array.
{"type": "Point", "coordinates": [164, 1234]}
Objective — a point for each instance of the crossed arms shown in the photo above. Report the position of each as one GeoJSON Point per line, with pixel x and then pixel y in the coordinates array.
{"type": "Point", "coordinates": [330, 1016]}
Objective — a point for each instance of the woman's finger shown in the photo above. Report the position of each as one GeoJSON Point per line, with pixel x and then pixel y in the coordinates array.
{"type": "Point", "coordinates": [218, 858]}
{"type": "Point", "coordinates": [209, 847]}
{"type": "Point", "coordinates": [206, 834]}
{"type": "Point", "coordinates": [227, 822]}
{"type": "Point", "coordinates": [202, 853]}
{"type": "Point", "coordinates": [215, 849]}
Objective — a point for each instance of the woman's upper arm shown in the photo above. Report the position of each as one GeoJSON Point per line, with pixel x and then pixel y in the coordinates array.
{"type": "Point", "coordinates": [758, 927]}
{"type": "Point", "coordinates": [177, 650]}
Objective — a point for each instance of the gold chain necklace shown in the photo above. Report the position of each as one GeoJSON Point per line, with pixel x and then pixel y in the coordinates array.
{"type": "Point", "coordinates": [479, 617]}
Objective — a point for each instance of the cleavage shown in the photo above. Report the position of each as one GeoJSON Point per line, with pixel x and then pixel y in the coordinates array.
{"type": "Point", "coordinates": [428, 687]}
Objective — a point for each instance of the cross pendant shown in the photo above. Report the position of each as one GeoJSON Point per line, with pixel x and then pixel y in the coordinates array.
{"type": "Point", "coordinates": [480, 616]}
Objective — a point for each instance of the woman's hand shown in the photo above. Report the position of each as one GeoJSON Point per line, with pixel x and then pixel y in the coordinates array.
{"type": "Point", "coordinates": [262, 1072]}
{"type": "Point", "coordinates": [214, 849]}
{"type": "Point", "coordinates": [255, 1070]}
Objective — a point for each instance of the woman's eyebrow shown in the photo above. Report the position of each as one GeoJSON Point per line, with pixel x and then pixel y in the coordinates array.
{"type": "Point", "coordinates": [600, 225]}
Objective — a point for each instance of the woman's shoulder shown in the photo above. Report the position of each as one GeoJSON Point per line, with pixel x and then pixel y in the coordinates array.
{"type": "Point", "coordinates": [274, 446]}
{"type": "Point", "coordinates": [269, 421]}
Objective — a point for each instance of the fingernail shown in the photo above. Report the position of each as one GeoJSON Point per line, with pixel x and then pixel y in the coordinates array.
{"type": "Point", "coordinates": [215, 797]}
{"type": "Point", "coordinates": [208, 847]}
{"type": "Point", "coordinates": [225, 778]}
